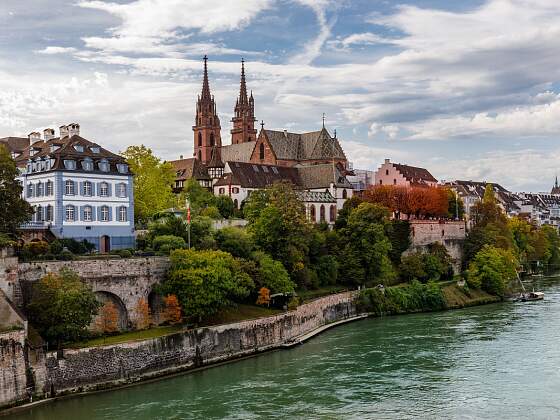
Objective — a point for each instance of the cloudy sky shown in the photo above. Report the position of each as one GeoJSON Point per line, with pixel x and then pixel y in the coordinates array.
{"type": "Point", "coordinates": [469, 89]}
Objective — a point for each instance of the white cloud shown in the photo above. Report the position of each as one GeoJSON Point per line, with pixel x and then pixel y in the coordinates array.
{"type": "Point", "coordinates": [51, 50]}
{"type": "Point", "coordinates": [366, 38]}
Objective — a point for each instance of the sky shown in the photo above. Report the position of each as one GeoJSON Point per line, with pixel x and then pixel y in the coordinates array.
{"type": "Point", "coordinates": [467, 89]}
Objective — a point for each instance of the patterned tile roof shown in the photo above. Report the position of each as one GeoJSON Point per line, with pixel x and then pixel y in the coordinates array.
{"type": "Point", "coordinates": [304, 146]}
{"type": "Point", "coordinates": [238, 152]}
{"type": "Point", "coordinates": [321, 176]}
{"type": "Point", "coordinates": [414, 174]}
{"type": "Point", "coordinates": [315, 197]}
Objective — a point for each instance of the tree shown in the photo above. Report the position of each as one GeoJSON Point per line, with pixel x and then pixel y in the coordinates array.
{"type": "Point", "coordinates": [264, 297]}
{"type": "Point", "coordinates": [554, 245]}
{"type": "Point", "coordinates": [107, 321]}
{"type": "Point", "coordinates": [455, 205]}
{"type": "Point", "coordinates": [347, 207]}
{"type": "Point", "coordinates": [153, 180]}
{"type": "Point", "coordinates": [15, 210]}
{"type": "Point", "coordinates": [199, 197]}
{"type": "Point", "coordinates": [143, 314]}
{"type": "Point", "coordinates": [364, 255]}
{"type": "Point", "coordinates": [225, 206]}
{"type": "Point", "coordinates": [172, 310]}
{"type": "Point", "coordinates": [62, 307]}
{"type": "Point", "coordinates": [491, 270]}
{"type": "Point", "coordinates": [237, 241]}
{"type": "Point", "coordinates": [205, 281]}
{"type": "Point", "coordinates": [420, 202]}
{"type": "Point", "coordinates": [272, 275]}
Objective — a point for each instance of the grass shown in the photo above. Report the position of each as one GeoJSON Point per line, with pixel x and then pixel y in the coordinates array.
{"type": "Point", "coordinates": [241, 312]}
{"type": "Point", "coordinates": [307, 295]}
{"type": "Point", "coordinates": [458, 297]}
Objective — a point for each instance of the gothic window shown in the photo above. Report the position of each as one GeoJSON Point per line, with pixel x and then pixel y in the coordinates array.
{"type": "Point", "coordinates": [332, 213]}
{"type": "Point", "coordinates": [87, 214]}
{"type": "Point", "coordinates": [199, 140]}
{"type": "Point", "coordinates": [261, 151]}
{"type": "Point", "coordinates": [69, 187]}
{"type": "Point", "coordinates": [312, 212]}
{"type": "Point", "coordinates": [212, 139]}
{"type": "Point", "coordinates": [344, 194]}
{"type": "Point", "coordinates": [70, 215]}
{"type": "Point", "coordinates": [199, 155]}
{"type": "Point", "coordinates": [322, 213]}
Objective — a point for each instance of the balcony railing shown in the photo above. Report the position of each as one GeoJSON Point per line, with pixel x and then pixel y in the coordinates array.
{"type": "Point", "coordinates": [35, 225]}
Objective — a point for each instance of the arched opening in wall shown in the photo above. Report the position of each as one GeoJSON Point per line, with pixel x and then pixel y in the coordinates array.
{"type": "Point", "coordinates": [199, 155]}
{"type": "Point", "coordinates": [212, 139]}
{"type": "Point", "coordinates": [344, 194]}
{"type": "Point", "coordinates": [322, 213]}
{"type": "Point", "coordinates": [112, 311]}
{"type": "Point", "coordinates": [332, 213]}
{"type": "Point", "coordinates": [312, 213]}
{"type": "Point", "coordinates": [261, 151]}
{"type": "Point", "coordinates": [199, 139]}
{"type": "Point", "coordinates": [156, 304]}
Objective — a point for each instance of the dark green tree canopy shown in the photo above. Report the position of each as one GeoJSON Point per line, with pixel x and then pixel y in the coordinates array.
{"type": "Point", "coordinates": [14, 209]}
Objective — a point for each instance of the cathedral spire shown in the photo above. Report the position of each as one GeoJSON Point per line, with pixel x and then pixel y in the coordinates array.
{"type": "Point", "coordinates": [205, 84]}
{"type": "Point", "coordinates": [243, 86]}
{"type": "Point", "coordinates": [244, 114]}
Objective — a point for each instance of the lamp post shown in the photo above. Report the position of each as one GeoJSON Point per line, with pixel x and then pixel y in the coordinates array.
{"type": "Point", "coordinates": [188, 205]}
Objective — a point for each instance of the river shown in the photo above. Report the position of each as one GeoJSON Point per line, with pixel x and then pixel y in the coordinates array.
{"type": "Point", "coordinates": [500, 361]}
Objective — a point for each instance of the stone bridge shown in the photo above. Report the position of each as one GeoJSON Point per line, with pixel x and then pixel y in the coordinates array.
{"type": "Point", "coordinates": [122, 281]}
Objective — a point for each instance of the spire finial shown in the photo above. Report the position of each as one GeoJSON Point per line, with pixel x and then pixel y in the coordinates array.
{"type": "Point", "coordinates": [243, 86]}
{"type": "Point", "coordinates": [205, 84]}
{"type": "Point", "coordinates": [262, 124]}
{"type": "Point", "coordinates": [556, 182]}
{"type": "Point", "coordinates": [323, 120]}
{"type": "Point", "coordinates": [335, 133]}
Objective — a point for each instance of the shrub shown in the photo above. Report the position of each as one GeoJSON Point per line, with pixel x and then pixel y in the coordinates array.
{"type": "Point", "coordinates": [293, 303]}
{"type": "Point", "coordinates": [6, 241]}
{"type": "Point", "coordinates": [491, 269]}
{"type": "Point", "coordinates": [272, 275]}
{"type": "Point", "coordinates": [237, 241]}
{"type": "Point", "coordinates": [74, 246]}
{"type": "Point", "coordinates": [327, 269]}
{"type": "Point", "coordinates": [212, 212]}
{"type": "Point", "coordinates": [167, 243]}
{"type": "Point", "coordinates": [65, 256]}
{"type": "Point", "coordinates": [225, 206]}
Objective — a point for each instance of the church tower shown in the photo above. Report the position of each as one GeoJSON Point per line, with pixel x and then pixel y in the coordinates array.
{"type": "Point", "coordinates": [244, 114]}
{"type": "Point", "coordinates": [207, 124]}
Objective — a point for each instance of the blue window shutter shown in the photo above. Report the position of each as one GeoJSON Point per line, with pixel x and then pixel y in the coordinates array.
{"type": "Point", "coordinates": [93, 214]}
{"type": "Point", "coordinates": [81, 188]}
{"type": "Point", "coordinates": [99, 213]}
{"type": "Point", "coordinates": [99, 191]}
{"type": "Point", "coordinates": [82, 213]}
{"type": "Point", "coordinates": [93, 189]}
{"type": "Point", "coordinates": [109, 190]}
{"type": "Point", "coordinates": [110, 213]}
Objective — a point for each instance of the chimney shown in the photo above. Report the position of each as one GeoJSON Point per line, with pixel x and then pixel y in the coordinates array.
{"type": "Point", "coordinates": [387, 160]}
{"type": "Point", "coordinates": [73, 129]}
{"type": "Point", "coordinates": [63, 131]}
{"type": "Point", "coordinates": [181, 157]}
{"type": "Point", "coordinates": [285, 133]}
{"type": "Point", "coordinates": [48, 133]}
{"type": "Point", "coordinates": [34, 137]}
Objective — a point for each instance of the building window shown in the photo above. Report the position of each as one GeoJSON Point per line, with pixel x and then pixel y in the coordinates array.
{"type": "Point", "coordinates": [70, 164]}
{"type": "Point", "coordinates": [88, 214]}
{"type": "Point", "coordinates": [122, 168]}
{"type": "Point", "coordinates": [29, 190]}
{"type": "Point", "coordinates": [39, 214]}
{"type": "Point", "coordinates": [104, 189]}
{"type": "Point", "coordinates": [79, 148]}
{"type": "Point", "coordinates": [332, 213]}
{"type": "Point", "coordinates": [49, 188]}
{"type": "Point", "coordinates": [386, 171]}
{"type": "Point", "coordinates": [394, 181]}
{"type": "Point", "coordinates": [199, 139]}
{"type": "Point", "coordinates": [104, 166]}
{"type": "Point", "coordinates": [121, 189]}
{"type": "Point", "coordinates": [312, 212]}
{"type": "Point", "coordinates": [123, 214]}
{"type": "Point", "coordinates": [69, 187]}
{"type": "Point", "coordinates": [344, 194]}
{"type": "Point", "coordinates": [199, 155]}
{"type": "Point", "coordinates": [87, 188]}
{"type": "Point", "coordinates": [380, 182]}
{"type": "Point", "coordinates": [261, 151]}
{"type": "Point", "coordinates": [322, 213]}
{"type": "Point", "coordinates": [222, 191]}
{"type": "Point", "coordinates": [87, 165]}
{"type": "Point", "coordinates": [49, 213]}
{"type": "Point", "coordinates": [104, 214]}
{"type": "Point", "coordinates": [70, 216]}
{"type": "Point", "coordinates": [235, 190]}
{"type": "Point", "coordinates": [94, 149]}
{"type": "Point", "coordinates": [212, 139]}
{"type": "Point", "coordinates": [40, 189]}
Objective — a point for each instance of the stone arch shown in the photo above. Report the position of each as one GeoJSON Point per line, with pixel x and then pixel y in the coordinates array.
{"type": "Point", "coordinates": [312, 213]}
{"type": "Point", "coordinates": [322, 213]}
{"type": "Point", "coordinates": [104, 297]}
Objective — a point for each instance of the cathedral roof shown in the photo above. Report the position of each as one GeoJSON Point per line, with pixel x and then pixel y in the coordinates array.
{"type": "Point", "coordinates": [315, 197]}
{"type": "Point", "coordinates": [321, 176]}
{"type": "Point", "coordinates": [189, 168]}
{"type": "Point", "coordinates": [238, 152]}
{"type": "Point", "coordinates": [304, 146]}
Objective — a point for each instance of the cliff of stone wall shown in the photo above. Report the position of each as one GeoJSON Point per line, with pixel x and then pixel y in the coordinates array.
{"type": "Point", "coordinates": [13, 380]}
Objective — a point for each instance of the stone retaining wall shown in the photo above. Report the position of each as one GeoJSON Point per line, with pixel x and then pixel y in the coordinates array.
{"type": "Point", "coordinates": [13, 379]}
{"type": "Point", "coordinates": [100, 367]}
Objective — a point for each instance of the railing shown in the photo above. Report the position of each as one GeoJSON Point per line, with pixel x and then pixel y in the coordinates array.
{"type": "Point", "coordinates": [35, 225]}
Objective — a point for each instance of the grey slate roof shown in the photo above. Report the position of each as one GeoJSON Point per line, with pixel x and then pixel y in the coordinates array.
{"type": "Point", "coordinates": [321, 176]}
{"type": "Point", "coordinates": [238, 152]}
{"type": "Point", "coordinates": [304, 146]}
{"type": "Point", "coordinates": [189, 168]}
{"type": "Point", "coordinates": [315, 197]}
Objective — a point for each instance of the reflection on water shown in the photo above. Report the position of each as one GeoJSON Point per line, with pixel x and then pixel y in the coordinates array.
{"type": "Point", "coordinates": [495, 361]}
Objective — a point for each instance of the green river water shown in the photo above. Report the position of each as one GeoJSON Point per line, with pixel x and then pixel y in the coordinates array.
{"type": "Point", "coordinates": [499, 361]}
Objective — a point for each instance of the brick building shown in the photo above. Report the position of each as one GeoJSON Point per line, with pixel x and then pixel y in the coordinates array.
{"type": "Point", "coordinates": [390, 173]}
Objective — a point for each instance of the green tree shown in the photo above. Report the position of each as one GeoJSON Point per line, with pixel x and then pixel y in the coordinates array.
{"type": "Point", "coordinates": [492, 269]}
{"type": "Point", "coordinates": [349, 205]}
{"type": "Point", "coordinates": [272, 274]}
{"type": "Point", "coordinates": [364, 255]}
{"type": "Point", "coordinates": [455, 208]}
{"type": "Point", "coordinates": [554, 245]}
{"type": "Point", "coordinates": [199, 197]}
{"type": "Point", "coordinates": [15, 210]}
{"type": "Point", "coordinates": [205, 282]}
{"type": "Point", "coordinates": [237, 241]}
{"type": "Point", "coordinates": [153, 180]}
{"type": "Point", "coordinates": [225, 206]}
{"type": "Point", "coordinates": [62, 307]}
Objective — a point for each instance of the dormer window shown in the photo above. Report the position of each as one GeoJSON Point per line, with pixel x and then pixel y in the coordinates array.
{"type": "Point", "coordinates": [79, 148]}
{"type": "Point", "coordinates": [87, 164]}
{"type": "Point", "coordinates": [122, 168]}
{"type": "Point", "coordinates": [70, 164]}
{"type": "Point", "coordinates": [94, 149]}
{"type": "Point", "coordinates": [104, 166]}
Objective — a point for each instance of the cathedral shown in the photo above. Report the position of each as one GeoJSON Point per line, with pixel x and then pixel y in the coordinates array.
{"type": "Point", "coordinates": [312, 161]}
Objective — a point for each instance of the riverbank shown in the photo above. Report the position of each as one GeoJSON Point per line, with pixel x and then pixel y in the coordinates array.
{"type": "Point", "coordinates": [110, 366]}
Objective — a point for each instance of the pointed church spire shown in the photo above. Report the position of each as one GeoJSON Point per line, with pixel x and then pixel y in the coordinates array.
{"type": "Point", "coordinates": [556, 182]}
{"type": "Point", "coordinates": [243, 86]}
{"type": "Point", "coordinates": [205, 84]}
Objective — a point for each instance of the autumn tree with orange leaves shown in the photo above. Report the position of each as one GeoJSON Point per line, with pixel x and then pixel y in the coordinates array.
{"type": "Point", "coordinates": [143, 314]}
{"type": "Point", "coordinates": [417, 202]}
{"type": "Point", "coordinates": [108, 319]}
{"type": "Point", "coordinates": [264, 297]}
{"type": "Point", "coordinates": [172, 310]}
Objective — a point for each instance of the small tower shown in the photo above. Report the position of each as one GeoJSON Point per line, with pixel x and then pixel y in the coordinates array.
{"type": "Point", "coordinates": [556, 188]}
{"type": "Point", "coordinates": [244, 114]}
{"type": "Point", "coordinates": [206, 127]}
{"type": "Point", "coordinates": [215, 165]}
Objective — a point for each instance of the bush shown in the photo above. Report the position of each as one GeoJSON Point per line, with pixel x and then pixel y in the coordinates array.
{"type": "Point", "coordinates": [6, 241]}
{"type": "Point", "coordinates": [237, 241]}
{"type": "Point", "coordinates": [167, 243]}
{"type": "Point", "coordinates": [225, 206]}
{"type": "Point", "coordinates": [74, 246]}
{"type": "Point", "coordinates": [491, 270]}
{"type": "Point", "coordinates": [272, 275]}
{"type": "Point", "coordinates": [293, 303]}
{"type": "Point", "coordinates": [212, 212]}
{"type": "Point", "coordinates": [327, 269]}
{"type": "Point", "coordinates": [123, 253]}
{"type": "Point", "coordinates": [65, 256]}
